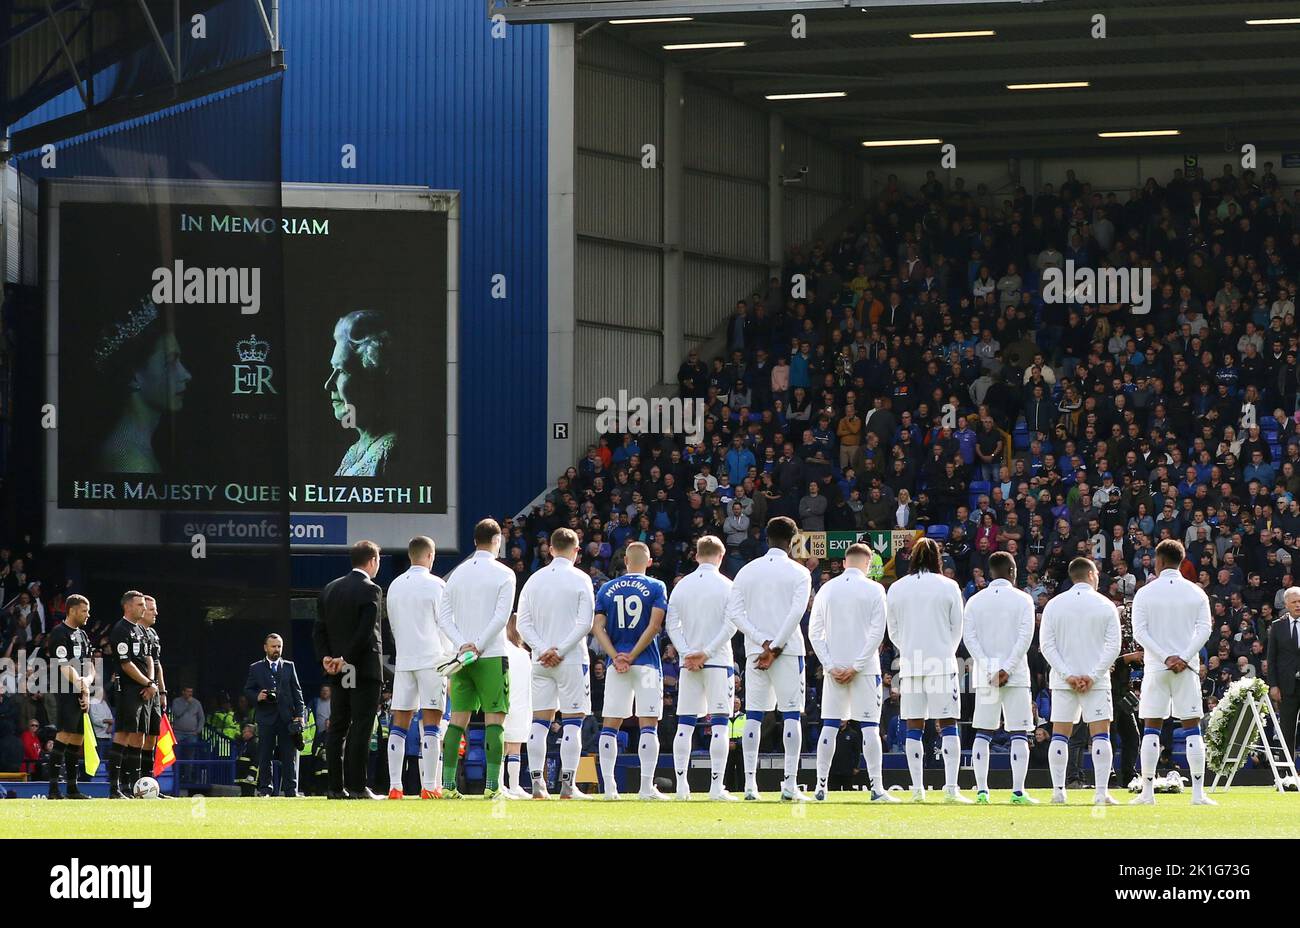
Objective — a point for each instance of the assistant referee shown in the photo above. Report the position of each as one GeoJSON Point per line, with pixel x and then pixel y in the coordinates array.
{"type": "Point", "coordinates": [67, 649]}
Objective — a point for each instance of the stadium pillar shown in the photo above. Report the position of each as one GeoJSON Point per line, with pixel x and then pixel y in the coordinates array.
{"type": "Point", "coordinates": [775, 194]}
{"type": "Point", "coordinates": [674, 259]}
{"type": "Point", "coordinates": [561, 236]}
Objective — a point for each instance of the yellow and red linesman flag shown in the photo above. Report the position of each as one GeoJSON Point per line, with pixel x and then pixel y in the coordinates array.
{"type": "Point", "coordinates": [89, 747]}
{"type": "Point", "coordinates": [165, 756]}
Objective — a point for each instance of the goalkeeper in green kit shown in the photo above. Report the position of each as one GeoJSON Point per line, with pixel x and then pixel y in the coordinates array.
{"type": "Point", "coordinates": [473, 612]}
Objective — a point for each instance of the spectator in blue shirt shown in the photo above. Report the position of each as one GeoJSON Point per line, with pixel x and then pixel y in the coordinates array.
{"type": "Point", "coordinates": [739, 460]}
{"type": "Point", "coordinates": [1259, 469]}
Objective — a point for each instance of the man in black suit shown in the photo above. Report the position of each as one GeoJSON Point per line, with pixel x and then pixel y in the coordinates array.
{"type": "Point", "coordinates": [273, 688]}
{"type": "Point", "coordinates": [346, 635]}
{"type": "Point", "coordinates": [1284, 665]}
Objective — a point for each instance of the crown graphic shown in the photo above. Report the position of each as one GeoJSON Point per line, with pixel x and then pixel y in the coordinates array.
{"type": "Point", "coordinates": [253, 349]}
{"type": "Point", "coordinates": [136, 321]}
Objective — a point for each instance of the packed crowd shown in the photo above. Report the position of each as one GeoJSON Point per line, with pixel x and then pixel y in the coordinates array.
{"type": "Point", "coordinates": [911, 375]}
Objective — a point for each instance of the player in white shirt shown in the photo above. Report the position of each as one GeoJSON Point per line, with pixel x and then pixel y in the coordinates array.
{"type": "Point", "coordinates": [698, 628]}
{"type": "Point", "coordinates": [1080, 638]}
{"type": "Point", "coordinates": [520, 717]}
{"type": "Point", "coordinates": [925, 622]}
{"type": "Point", "coordinates": [845, 631]}
{"type": "Point", "coordinates": [412, 604]}
{"type": "Point", "coordinates": [999, 626]}
{"type": "Point", "coordinates": [555, 613]}
{"type": "Point", "coordinates": [473, 613]}
{"type": "Point", "coordinates": [768, 600]}
{"type": "Point", "coordinates": [1171, 622]}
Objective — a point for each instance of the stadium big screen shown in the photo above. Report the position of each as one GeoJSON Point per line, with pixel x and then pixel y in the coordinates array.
{"type": "Point", "coordinates": [172, 381]}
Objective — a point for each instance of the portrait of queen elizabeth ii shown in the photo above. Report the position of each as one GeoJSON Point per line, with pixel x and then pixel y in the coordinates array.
{"type": "Point", "coordinates": [364, 384]}
{"type": "Point", "coordinates": [141, 380]}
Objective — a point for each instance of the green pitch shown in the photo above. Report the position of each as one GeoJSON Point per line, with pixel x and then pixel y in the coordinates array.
{"type": "Point", "coordinates": [1244, 812]}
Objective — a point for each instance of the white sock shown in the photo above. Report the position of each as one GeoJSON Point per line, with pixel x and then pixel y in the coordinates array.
{"type": "Point", "coordinates": [682, 748]}
{"type": "Point", "coordinates": [951, 757]}
{"type": "Point", "coordinates": [1103, 755]}
{"type": "Point", "coordinates": [979, 759]}
{"type": "Point", "coordinates": [792, 738]}
{"type": "Point", "coordinates": [512, 771]}
{"type": "Point", "coordinates": [873, 753]}
{"type": "Point", "coordinates": [430, 756]}
{"type": "Point", "coordinates": [396, 756]}
{"type": "Point", "coordinates": [826, 750]}
{"type": "Point", "coordinates": [1196, 761]}
{"type": "Point", "coordinates": [648, 753]}
{"type": "Point", "coordinates": [1056, 758]}
{"type": "Point", "coordinates": [608, 749]}
{"type": "Point", "coordinates": [537, 750]}
{"type": "Point", "coordinates": [719, 743]}
{"type": "Point", "coordinates": [570, 746]}
{"type": "Point", "coordinates": [1150, 758]}
{"type": "Point", "coordinates": [1019, 761]}
{"type": "Point", "coordinates": [915, 759]}
{"type": "Point", "coordinates": [749, 746]}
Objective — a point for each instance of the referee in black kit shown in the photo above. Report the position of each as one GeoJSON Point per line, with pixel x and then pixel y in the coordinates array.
{"type": "Point", "coordinates": [346, 635]}
{"type": "Point", "coordinates": [136, 690]}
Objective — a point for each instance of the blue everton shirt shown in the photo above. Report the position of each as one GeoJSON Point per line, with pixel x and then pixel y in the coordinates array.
{"type": "Point", "coordinates": [626, 602]}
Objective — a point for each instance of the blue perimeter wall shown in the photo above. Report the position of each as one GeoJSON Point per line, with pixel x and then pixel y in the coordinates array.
{"type": "Point", "coordinates": [428, 97]}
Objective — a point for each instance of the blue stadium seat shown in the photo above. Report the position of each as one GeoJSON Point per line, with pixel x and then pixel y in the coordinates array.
{"type": "Point", "coordinates": [1276, 451]}
{"type": "Point", "coordinates": [937, 532]}
{"type": "Point", "coordinates": [1267, 422]}
{"type": "Point", "coordinates": [1020, 440]}
{"type": "Point", "coordinates": [1271, 436]}
{"type": "Point", "coordinates": [979, 486]}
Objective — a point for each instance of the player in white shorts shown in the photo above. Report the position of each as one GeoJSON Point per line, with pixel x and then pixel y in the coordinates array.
{"type": "Point", "coordinates": [706, 687]}
{"type": "Point", "coordinates": [999, 626]}
{"type": "Point", "coordinates": [845, 631]}
{"type": "Point", "coordinates": [1171, 621]}
{"type": "Point", "coordinates": [412, 607]}
{"type": "Point", "coordinates": [520, 716]}
{"type": "Point", "coordinates": [555, 613]}
{"type": "Point", "coordinates": [767, 602]}
{"type": "Point", "coordinates": [1080, 639]}
{"type": "Point", "coordinates": [925, 622]}
{"type": "Point", "coordinates": [629, 616]}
